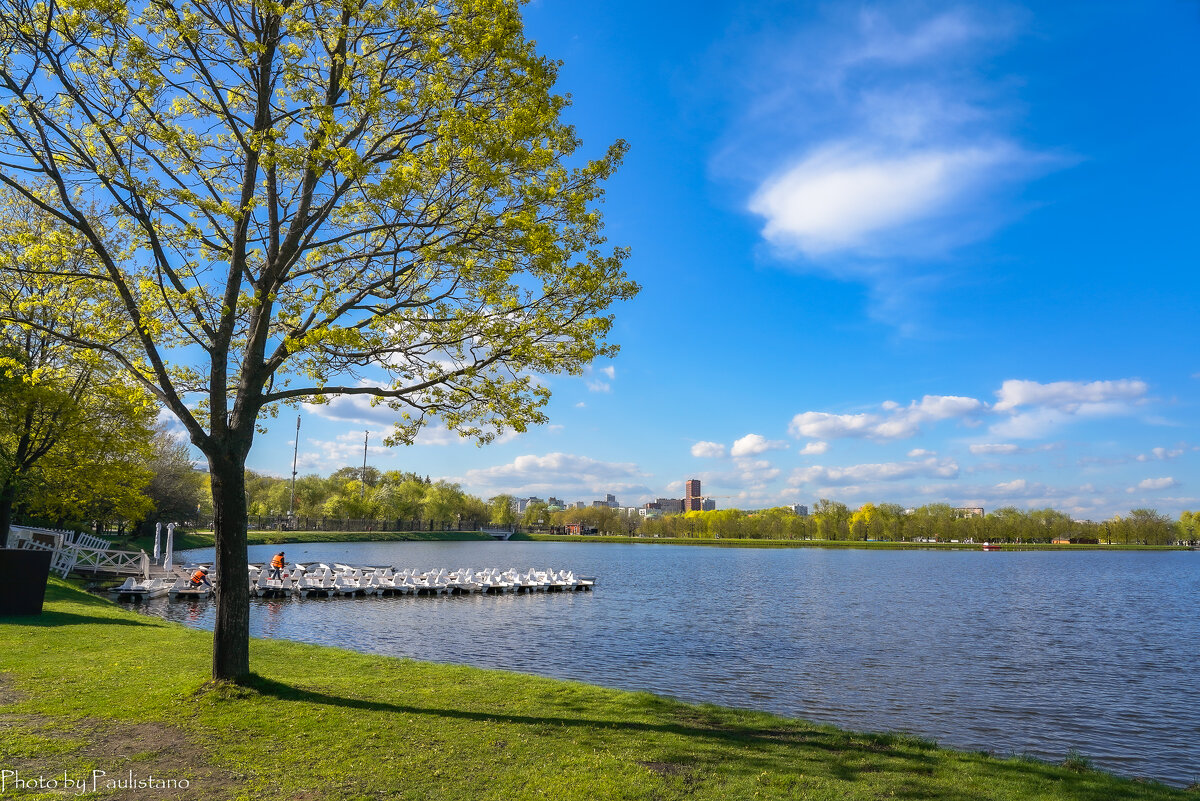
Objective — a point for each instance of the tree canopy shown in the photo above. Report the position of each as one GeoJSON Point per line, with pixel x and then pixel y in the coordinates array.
{"type": "Point", "coordinates": [74, 434]}
{"type": "Point", "coordinates": [289, 201]}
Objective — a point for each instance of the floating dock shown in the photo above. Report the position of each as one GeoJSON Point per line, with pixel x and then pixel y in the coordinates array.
{"type": "Point", "coordinates": [342, 581]}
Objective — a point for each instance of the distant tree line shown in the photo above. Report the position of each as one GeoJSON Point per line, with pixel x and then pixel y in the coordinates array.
{"type": "Point", "coordinates": [835, 521]}
{"type": "Point", "coordinates": [390, 500]}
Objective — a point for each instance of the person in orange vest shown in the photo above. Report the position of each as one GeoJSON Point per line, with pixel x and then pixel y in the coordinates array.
{"type": "Point", "coordinates": [277, 564]}
{"type": "Point", "coordinates": [200, 577]}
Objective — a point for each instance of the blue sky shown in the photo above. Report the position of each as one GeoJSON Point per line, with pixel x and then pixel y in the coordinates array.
{"type": "Point", "coordinates": [910, 253]}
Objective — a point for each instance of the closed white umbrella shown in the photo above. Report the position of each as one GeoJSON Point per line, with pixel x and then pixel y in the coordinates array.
{"type": "Point", "coordinates": [167, 559]}
{"type": "Point", "coordinates": [157, 534]}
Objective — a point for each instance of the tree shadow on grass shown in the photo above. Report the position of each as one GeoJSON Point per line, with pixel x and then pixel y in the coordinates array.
{"type": "Point", "coordinates": [62, 592]}
{"type": "Point", "coordinates": [705, 727]}
{"type": "Point", "coordinates": [839, 755]}
{"type": "Point", "coordinates": [738, 734]}
{"type": "Point", "coordinates": [47, 619]}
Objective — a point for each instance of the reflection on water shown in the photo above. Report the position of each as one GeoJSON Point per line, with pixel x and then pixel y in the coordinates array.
{"type": "Point", "coordinates": [1034, 652]}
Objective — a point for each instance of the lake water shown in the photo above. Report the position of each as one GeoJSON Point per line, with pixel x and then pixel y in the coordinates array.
{"type": "Point", "coordinates": [1010, 652]}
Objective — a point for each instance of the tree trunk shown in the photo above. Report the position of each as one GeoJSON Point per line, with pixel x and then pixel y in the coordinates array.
{"type": "Point", "coordinates": [8, 494]}
{"type": "Point", "coordinates": [231, 633]}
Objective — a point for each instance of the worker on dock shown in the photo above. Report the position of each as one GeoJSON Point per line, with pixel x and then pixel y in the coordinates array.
{"type": "Point", "coordinates": [199, 578]}
{"type": "Point", "coordinates": [277, 564]}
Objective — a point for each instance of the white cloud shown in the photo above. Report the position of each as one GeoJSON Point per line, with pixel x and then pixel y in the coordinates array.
{"type": "Point", "coordinates": [875, 144]}
{"type": "Point", "coordinates": [1032, 424]}
{"type": "Point", "coordinates": [996, 448]}
{"type": "Point", "coordinates": [850, 197]}
{"type": "Point", "coordinates": [815, 448]}
{"type": "Point", "coordinates": [1018, 486]}
{"type": "Point", "coordinates": [354, 409]}
{"type": "Point", "coordinates": [1003, 493]}
{"type": "Point", "coordinates": [882, 40]}
{"type": "Point", "coordinates": [754, 444]}
{"type": "Point", "coordinates": [1156, 483]}
{"type": "Point", "coordinates": [747, 474]}
{"type": "Point", "coordinates": [1008, 448]}
{"type": "Point", "coordinates": [379, 419]}
{"type": "Point", "coordinates": [832, 426]}
{"type": "Point", "coordinates": [755, 471]}
{"type": "Point", "coordinates": [896, 421]}
{"type": "Point", "coordinates": [581, 405]}
{"type": "Point", "coordinates": [345, 449]}
{"type": "Point", "coordinates": [440, 436]}
{"type": "Point", "coordinates": [609, 373]}
{"type": "Point", "coordinates": [559, 473]}
{"type": "Point", "coordinates": [1160, 454]}
{"type": "Point", "coordinates": [1027, 409]}
{"type": "Point", "coordinates": [919, 453]}
{"type": "Point", "coordinates": [1037, 409]}
{"type": "Point", "coordinates": [1070, 396]}
{"type": "Point", "coordinates": [888, 471]}
{"type": "Point", "coordinates": [708, 450]}
{"type": "Point", "coordinates": [171, 425]}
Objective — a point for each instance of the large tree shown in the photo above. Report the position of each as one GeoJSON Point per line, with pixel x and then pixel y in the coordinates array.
{"type": "Point", "coordinates": [290, 201]}
{"type": "Point", "coordinates": [74, 433]}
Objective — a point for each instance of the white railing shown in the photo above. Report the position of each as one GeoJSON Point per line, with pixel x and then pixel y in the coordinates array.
{"type": "Point", "coordinates": [38, 538]}
{"type": "Point", "coordinates": [92, 541]}
{"type": "Point", "coordinates": [82, 553]}
{"type": "Point", "coordinates": [94, 560]}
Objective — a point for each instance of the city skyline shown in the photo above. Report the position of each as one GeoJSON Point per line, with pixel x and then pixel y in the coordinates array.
{"type": "Point", "coordinates": [889, 253]}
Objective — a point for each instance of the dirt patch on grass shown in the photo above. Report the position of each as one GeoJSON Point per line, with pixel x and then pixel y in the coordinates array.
{"type": "Point", "coordinates": [665, 768]}
{"type": "Point", "coordinates": [140, 761]}
{"type": "Point", "coordinates": [9, 694]}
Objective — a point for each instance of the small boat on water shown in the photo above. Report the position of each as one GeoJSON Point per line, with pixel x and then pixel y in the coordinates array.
{"type": "Point", "coordinates": [991, 546]}
{"type": "Point", "coordinates": [183, 590]}
{"type": "Point", "coordinates": [134, 590]}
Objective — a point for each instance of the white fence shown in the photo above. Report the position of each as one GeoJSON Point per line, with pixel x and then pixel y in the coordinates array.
{"type": "Point", "coordinates": [81, 553]}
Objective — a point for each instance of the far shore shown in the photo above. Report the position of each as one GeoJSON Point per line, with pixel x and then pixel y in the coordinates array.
{"type": "Point", "coordinates": [204, 539]}
{"type": "Point", "coordinates": [868, 544]}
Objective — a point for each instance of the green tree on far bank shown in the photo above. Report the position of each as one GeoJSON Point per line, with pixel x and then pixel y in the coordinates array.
{"type": "Point", "coordinates": [536, 515]}
{"type": "Point", "coordinates": [832, 519]}
{"type": "Point", "coordinates": [501, 512]}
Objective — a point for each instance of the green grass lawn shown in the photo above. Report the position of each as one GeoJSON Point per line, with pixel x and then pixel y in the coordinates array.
{"type": "Point", "coordinates": [88, 686]}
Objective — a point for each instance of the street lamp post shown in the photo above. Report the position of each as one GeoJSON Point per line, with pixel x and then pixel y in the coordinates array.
{"type": "Point", "coordinates": [295, 453]}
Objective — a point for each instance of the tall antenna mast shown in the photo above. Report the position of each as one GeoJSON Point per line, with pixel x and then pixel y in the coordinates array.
{"type": "Point", "coordinates": [362, 490]}
{"type": "Point", "coordinates": [295, 453]}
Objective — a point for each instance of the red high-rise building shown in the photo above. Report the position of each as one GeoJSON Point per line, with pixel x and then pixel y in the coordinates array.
{"type": "Point", "coordinates": [692, 502]}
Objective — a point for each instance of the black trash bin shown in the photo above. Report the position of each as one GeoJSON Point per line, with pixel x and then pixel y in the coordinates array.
{"type": "Point", "coordinates": [23, 576]}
